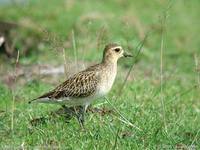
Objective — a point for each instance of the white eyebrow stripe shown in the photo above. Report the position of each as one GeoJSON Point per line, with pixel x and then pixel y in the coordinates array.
{"type": "Point", "coordinates": [117, 47]}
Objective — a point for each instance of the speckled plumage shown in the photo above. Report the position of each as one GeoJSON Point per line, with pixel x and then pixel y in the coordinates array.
{"type": "Point", "coordinates": [80, 85]}
{"type": "Point", "coordinates": [85, 86]}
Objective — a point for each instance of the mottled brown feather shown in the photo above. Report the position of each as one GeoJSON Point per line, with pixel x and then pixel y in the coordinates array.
{"type": "Point", "coordinates": [82, 84]}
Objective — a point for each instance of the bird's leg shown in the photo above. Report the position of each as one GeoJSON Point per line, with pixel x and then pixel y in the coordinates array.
{"type": "Point", "coordinates": [80, 114]}
{"type": "Point", "coordinates": [85, 108]}
{"type": "Point", "coordinates": [68, 111]}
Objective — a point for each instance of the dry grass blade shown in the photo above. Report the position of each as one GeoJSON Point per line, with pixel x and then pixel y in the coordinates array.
{"type": "Point", "coordinates": [197, 69]}
{"type": "Point", "coordinates": [163, 19]}
{"type": "Point", "coordinates": [75, 49]}
{"type": "Point", "coordinates": [116, 137]}
{"type": "Point", "coordinates": [195, 138]}
{"type": "Point", "coordinates": [13, 94]}
{"type": "Point", "coordinates": [139, 48]}
{"type": "Point", "coordinates": [65, 62]}
{"type": "Point", "coordinates": [123, 119]}
{"type": "Point", "coordinates": [161, 74]}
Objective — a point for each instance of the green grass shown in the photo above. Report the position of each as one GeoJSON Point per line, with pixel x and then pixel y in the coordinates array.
{"type": "Point", "coordinates": [96, 23]}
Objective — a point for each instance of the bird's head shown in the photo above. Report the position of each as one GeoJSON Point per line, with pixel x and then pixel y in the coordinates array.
{"type": "Point", "coordinates": [112, 52]}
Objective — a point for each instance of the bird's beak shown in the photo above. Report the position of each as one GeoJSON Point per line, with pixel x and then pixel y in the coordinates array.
{"type": "Point", "coordinates": [125, 54]}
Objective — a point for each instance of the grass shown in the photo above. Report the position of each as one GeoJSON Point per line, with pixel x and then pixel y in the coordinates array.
{"type": "Point", "coordinates": [86, 27]}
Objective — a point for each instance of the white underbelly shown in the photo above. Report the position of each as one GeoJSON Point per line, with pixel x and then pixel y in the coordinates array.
{"type": "Point", "coordinates": [68, 101]}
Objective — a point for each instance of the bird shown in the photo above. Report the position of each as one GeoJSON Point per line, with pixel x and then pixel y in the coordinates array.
{"type": "Point", "coordinates": [88, 85]}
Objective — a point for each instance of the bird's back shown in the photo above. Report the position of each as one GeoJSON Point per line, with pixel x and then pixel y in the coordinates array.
{"type": "Point", "coordinates": [80, 85]}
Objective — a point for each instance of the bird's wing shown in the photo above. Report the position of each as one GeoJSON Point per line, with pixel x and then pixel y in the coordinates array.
{"type": "Point", "coordinates": [80, 85]}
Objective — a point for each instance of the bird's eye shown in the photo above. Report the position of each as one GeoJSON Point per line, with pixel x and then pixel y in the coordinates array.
{"type": "Point", "coordinates": [117, 49]}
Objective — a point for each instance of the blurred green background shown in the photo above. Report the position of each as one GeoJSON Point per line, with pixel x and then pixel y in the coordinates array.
{"type": "Point", "coordinates": [44, 31]}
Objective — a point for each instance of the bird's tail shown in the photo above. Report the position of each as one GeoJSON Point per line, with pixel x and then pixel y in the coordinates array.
{"type": "Point", "coordinates": [32, 100]}
{"type": "Point", "coordinates": [42, 99]}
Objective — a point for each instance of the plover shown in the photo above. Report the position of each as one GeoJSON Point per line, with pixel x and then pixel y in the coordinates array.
{"type": "Point", "coordinates": [90, 84]}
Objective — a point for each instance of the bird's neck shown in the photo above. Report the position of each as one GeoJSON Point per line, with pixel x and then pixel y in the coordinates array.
{"type": "Point", "coordinates": [109, 72]}
{"type": "Point", "coordinates": [110, 64]}
{"type": "Point", "coordinates": [109, 61]}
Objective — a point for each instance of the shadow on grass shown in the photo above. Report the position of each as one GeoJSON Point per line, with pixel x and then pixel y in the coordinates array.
{"type": "Point", "coordinates": [67, 113]}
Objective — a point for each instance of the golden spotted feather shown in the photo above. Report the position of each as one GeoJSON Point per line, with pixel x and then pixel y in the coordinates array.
{"type": "Point", "coordinates": [82, 84]}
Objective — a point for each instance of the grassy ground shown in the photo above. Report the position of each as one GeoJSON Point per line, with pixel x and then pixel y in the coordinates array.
{"type": "Point", "coordinates": [167, 112]}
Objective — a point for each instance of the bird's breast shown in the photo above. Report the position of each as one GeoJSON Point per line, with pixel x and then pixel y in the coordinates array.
{"type": "Point", "coordinates": [106, 82]}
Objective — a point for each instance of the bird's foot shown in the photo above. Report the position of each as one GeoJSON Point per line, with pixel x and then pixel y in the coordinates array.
{"type": "Point", "coordinates": [80, 115]}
